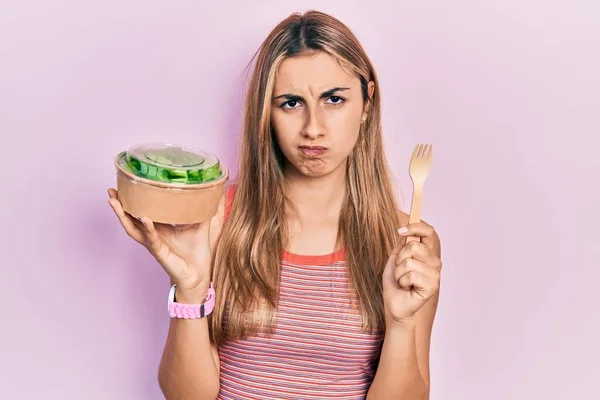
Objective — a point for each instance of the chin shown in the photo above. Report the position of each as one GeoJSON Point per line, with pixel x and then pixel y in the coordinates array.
{"type": "Point", "coordinates": [315, 167]}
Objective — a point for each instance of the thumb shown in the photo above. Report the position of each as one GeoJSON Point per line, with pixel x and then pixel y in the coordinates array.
{"type": "Point", "coordinates": [198, 229]}
{"type": "Point", "coordinates": [203, 230]}
{"type": "Point", "coordinates": [203, 241]}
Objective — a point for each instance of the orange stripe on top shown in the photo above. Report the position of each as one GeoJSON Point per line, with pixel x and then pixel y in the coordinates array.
{"type": "Point", "coordinates": [229, 193]}
{"type": "Point", "coordinates": [318, 349]}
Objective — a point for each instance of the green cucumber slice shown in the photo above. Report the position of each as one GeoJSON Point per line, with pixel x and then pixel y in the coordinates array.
{"type": "Point", "coordinates": [181, 173]}
{"type": "Point", "coordinates": [212, 173]}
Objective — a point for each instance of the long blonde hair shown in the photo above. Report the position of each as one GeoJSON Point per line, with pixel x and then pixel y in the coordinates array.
{"type": "Point", "coordinates": [247, 261]}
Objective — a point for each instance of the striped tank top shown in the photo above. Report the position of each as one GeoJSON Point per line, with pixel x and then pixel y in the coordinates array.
{"type": "Point", "coordinates": [318, 349]}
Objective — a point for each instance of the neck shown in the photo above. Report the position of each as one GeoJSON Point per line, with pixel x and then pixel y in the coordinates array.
{"type": "Point", "coordinates": [321, 195]}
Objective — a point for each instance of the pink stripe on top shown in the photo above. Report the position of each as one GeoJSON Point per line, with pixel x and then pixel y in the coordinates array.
{"type": "Point", "coordinates": [318, 350]}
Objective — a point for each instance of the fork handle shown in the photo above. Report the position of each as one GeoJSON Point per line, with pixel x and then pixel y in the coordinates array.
{"type": "Point", "coordinates": [415, 210]}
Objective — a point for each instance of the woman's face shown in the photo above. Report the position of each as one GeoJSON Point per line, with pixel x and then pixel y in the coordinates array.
{"type": "Point", "coordinates": [317, 109]}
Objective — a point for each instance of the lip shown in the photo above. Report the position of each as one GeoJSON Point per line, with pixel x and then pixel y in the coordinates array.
{"type": "Point", "coordinates": [313, 150]}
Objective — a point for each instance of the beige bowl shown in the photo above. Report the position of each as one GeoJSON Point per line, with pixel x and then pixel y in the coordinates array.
{"type": "Point", "coordinates": [176, 204]}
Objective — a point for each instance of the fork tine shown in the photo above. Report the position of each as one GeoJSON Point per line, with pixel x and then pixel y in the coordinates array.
{"type": "Point", "coordinates": [425, 151]}
{"type": "Point", "coordinates": [415, 152]}
{"type": "Point", "coordinates": [422, 151]}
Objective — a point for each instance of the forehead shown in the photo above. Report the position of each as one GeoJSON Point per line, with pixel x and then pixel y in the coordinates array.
{"type": "Point", "coordinates": [312, 71]}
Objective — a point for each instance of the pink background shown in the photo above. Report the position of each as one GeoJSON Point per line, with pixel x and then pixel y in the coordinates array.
{"type": "Point", "coordinates": [507, 91]}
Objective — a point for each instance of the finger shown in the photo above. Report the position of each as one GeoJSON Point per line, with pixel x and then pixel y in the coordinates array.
{"type": "Point", "coordinates": [421, 252]}
{"type": "Point", "coordinates": [126, 221]}
{"type": "Point", "coordinates": [155, 243]}
{"type": "Point", "coordinates": [160, 249]}
{"type": "Point", "coordinates": [401, 243]}
{"type": "Point", "coordinates": [421, 230]}
{"type": "Point", "coordinates": [112, 193]}
{"type": "Point", "coordinates": [412, 250]}
{"type": "Point", "coordinates": [415, 280]}
{"type": "Point", "coordinates": [420, 279]}
{"type": "Point", "coordinates": [412, 265]}
{"type": "Point", "coordinates": [137, 222]}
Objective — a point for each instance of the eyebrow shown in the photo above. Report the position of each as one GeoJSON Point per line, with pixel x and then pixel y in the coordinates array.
{"type": "Point", "coordinates": [326, 93]}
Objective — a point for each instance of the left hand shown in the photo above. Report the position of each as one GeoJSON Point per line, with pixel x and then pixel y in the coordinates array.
{"type": "Point", "coordinates": [412, 273]}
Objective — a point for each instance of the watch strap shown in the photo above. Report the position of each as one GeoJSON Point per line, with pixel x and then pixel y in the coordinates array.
{"type": "Point", "coordinates": [191, 311]}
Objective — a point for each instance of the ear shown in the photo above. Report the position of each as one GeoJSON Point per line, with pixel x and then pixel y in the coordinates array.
{"type": "Point", "coordinates": [370, 91]}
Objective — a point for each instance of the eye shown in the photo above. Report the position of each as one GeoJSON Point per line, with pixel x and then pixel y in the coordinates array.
{"type": "Point", "coordinates": [290, 104]}
{"type": "Point", "coordinates": [335, 100]}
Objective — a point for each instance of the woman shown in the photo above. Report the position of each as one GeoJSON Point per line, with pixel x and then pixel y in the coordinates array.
{"type": "Point", "coordinates": [318, 294]}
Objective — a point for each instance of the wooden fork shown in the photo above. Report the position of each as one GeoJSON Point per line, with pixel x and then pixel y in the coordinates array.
{"type": "Point", "coordinates": [420, 164]}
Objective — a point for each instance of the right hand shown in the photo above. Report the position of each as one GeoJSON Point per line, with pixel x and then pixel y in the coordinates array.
{"type": "Point", "coordinates": [183, 251]}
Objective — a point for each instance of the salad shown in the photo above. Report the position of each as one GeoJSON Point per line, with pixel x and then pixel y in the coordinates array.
{"type": "Point", "coordinates": [169, 163]}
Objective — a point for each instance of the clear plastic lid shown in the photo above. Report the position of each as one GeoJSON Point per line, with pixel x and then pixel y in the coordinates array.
{"type": "Point", "coordinates": [171, 163]}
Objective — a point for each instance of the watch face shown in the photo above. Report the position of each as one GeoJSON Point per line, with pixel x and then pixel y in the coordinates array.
{"type": "Point", "coordinates": [171, 296]}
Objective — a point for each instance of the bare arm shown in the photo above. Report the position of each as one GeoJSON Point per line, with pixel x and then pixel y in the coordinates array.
{"type": "Point", "coordinates": [190, 366]}
{"type": "Point", "coordinates": [404, 364]}
{"type": "Point", "coordinates": [403, 370]}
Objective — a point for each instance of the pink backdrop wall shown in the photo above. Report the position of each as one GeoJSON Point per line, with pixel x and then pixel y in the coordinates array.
{"type": "Point", "coordinates": [507, 91]}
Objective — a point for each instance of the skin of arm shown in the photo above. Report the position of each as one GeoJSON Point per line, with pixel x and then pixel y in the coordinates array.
{"type": "Point", "coordinates": [190, 366]}
{"type": "Point", "coordinates": [403, 370]}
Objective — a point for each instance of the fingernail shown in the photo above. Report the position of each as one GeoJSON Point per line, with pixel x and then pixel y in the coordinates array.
{"type": "Point", "coordinates": [403, 230]}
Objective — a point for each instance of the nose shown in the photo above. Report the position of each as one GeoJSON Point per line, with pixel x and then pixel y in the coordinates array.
{"type": "Point", "coordinates": [314, 128]}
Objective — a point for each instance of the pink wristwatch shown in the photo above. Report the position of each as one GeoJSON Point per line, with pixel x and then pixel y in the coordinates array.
{"type": "Point", "coordinates": [188, 311]}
